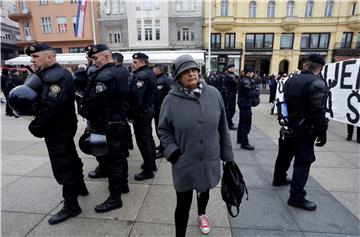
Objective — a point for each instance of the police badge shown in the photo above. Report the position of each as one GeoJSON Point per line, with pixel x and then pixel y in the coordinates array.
{"type": "Point", "coordinates": [100, 87]}
{"type": "Point", "coordinates": [139, 84]}
{"type": "Point", "coordinates": [54, 91]}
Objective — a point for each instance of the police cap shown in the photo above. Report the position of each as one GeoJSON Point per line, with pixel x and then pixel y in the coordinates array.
{"type": "Point", "coordinates": [230, 66]}
{"type": "Point", "coordinates": [140, 56]}
{"type": "Point", "coordinates": [316, 58]}
{"type": "Point", "coordinates": [37, 47]}
{"type": "Point", "coordinates": [249, 69]}
{"type": "Point", "coordinates": [95, 48]}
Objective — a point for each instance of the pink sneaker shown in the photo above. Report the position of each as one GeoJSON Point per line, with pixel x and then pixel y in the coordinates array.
{"type": "Point", "coordinates": [204, 224]}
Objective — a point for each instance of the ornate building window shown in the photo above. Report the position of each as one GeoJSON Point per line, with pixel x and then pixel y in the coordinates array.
{"type": "Point", "coordinates": [329, 8]}
{"type": "Point", "coordinates": [271, 9]}
{"type": "Point", "coordinates": [309, 8]}
{"type": "Point", "coordinates": [224, 9]}
{"type": "Point", "coordinates": [290, 6]}
{"type": "Point", "coordinates": [252, 9]}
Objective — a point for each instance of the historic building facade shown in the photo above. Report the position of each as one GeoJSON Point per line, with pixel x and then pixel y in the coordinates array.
{"type": "Point", "coordinates": [275, 36]}
{"type": "Point", "coordinates": [53, 22]}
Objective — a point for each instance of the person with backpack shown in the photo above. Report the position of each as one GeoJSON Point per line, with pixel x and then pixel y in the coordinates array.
{"type": "Point", "coordinates": [194, 132]}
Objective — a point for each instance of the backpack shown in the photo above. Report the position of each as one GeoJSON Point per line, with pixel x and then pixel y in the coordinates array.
{"type": "Point", "coordinates": [233, 187]}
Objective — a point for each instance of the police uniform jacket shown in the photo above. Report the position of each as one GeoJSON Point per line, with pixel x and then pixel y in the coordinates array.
{"type": "Point", "coordinates": [142, 89]}
{"type": "Point", "coordinates": [163, 84]}
{"type": "Point", "coordinates": [104, 96]}
{"type": "Point", "coordinates": [230, 83]}
{"type": "Point", "coordinates": [246, 91]}
{"type": "Point", "coordinates": [305, 96]}
{"type": "Point", "coordinates": [55, 114]}
{"type": "Point", "coordinates": [198, 130]}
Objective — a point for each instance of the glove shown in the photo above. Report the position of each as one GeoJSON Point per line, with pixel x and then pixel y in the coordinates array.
{"type": "Point", "coordinates": [35, 130]}
{"type": "Point", "coordinates": [321, 139]}
{"type": "Point", "coordinates": [174, 156]}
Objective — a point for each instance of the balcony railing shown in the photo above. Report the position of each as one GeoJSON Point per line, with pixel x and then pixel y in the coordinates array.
{"type": "Point", "coordinates": [19, 14]}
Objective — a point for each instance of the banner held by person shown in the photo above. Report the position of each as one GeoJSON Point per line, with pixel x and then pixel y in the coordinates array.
{"type": "Point", "coordinates": [343, 101]}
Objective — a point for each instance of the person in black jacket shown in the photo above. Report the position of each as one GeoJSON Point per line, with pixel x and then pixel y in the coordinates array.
{"type": "Point", "coordinates": [305, 95]}
{"type": "Point", "coordinates": [55, 120]}
{"type": "Point", "coordinates": [230, 90]}
{"type": "Point", "coordinates": [103, 106]}
{"type": "Point", "coordinates": [246, 93]}
{"type": "Point", "coordinates": [163, 86]}
{"type": "Point", "coordinates": [141, 112]}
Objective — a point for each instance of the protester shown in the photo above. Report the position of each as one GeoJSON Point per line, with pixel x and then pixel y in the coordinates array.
{"type": "Point", "coordinates": [195, 135]}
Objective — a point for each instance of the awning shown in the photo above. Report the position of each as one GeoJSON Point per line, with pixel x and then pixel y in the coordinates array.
{"type": "Point", "coordinates": [165, 57]}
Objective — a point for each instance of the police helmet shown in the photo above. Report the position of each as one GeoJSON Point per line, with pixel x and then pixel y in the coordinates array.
{"type": "Point", "coordinates": [93, 144]}
{"type": "Point", "coordinates": [22, 100]}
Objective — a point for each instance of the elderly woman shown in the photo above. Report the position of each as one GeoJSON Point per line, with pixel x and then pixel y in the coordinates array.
{"type": "Point", "coordinates": [194, 132]}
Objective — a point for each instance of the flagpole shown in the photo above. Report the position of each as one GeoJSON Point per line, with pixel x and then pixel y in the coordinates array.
{"type": "Point", "coordinates": [209, 40]}
{"type": "Point", "coordinates": [93, 22]}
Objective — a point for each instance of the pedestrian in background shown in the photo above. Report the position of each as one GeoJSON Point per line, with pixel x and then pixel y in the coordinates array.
{"type": "Point", "coordinates": [194, 132]}
{"type": "Point", "coordinates": [230, 90]}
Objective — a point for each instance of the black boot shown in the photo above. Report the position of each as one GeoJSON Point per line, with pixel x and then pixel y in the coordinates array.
{"type": "Point", "coordinates": [145, 174]}
{"type": "Point", "coordinates": [97, 173]}
{"type": "Point", "coordinates": [109, 204]}
{"type": "Point", "coordinates": [70, 209]}
{"type": "Point", "coordinates": [247, 147]}
{"type": "Point", "coordinates": [159, 154]}
{"type": "Point", "coordinates": [304, 204]}
{"type": "Point", "coordinates": [154, 168]}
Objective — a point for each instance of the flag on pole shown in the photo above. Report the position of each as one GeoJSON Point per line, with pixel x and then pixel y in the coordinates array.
{"type": "Point", "coordinates": [80, 19]}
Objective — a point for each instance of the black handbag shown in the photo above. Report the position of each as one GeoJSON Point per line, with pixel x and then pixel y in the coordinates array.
{"type": "Point", "coordinates": [233, 187]}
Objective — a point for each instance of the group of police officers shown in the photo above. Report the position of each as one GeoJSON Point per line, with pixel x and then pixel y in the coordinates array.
{"type": "Point", "coordinates": [108, 97]}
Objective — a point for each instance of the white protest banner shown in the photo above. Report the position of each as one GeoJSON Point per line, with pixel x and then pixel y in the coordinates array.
{"type": "Point", "coordinates": [343, 102]}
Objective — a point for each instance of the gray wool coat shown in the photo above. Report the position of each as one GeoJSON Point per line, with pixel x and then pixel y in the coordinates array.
{"type": "Point", "coordinates": [197, 127]}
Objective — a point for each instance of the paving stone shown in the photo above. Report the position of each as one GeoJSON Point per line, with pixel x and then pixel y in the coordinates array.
{"type": "Point", "coordinates": [329, 217]}
{"type": "Point", "coordinates": [9, 147]}
{"type": "Point", "coordinates": [353, 157]}
{"type": "Point", "coordinates": [165, 230]}
{"type": "Point", "coordinates": [21, 164]}
{"type": "Point", "coordinates": [343, 179]}
{"type": "Point", "coordinates": [243, 157]}
{"type": "Point", "coordinates": [265, 157]}
{"type": "Point", "coordinates": [350, 200]}
{"type": "Point", "coordinates": [132, 202]}
{"type": "Point", "coordinates": [254, 176]}
{"type": "Point", "coordinates": [8, 179]}
{"type": "Point", "coordinates": [309, 234]}
{"type": "Point", "coordinates": [263, 210]}
{"type": "Point", "coordinates": [82, 227]}
{"type": "Point", "coordinates": [30, 194]}
{"type": "Point", "coordinates": [264, 233]}
{"type": "Point", "coordinates": [18, 224]}
{"type": "Point", "coordinates": [36, 149]}
{"type": "Point", "coordinates": [160, 203]}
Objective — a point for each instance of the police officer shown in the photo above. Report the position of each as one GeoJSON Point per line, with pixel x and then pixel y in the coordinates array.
{"type": "Point", "coordinates": [305, 96]}
{"type": "Point", "coordinates": [163, 86]}
{"type": "Point", "coordinates": [103, 106]}
{"type": "Point", "coordinates": [55, 120]}
{"type": "Point", "coordinates": [245, 97]}
{"type": "Point", "coordinates": [230, 94]}
{"type": "Point", "coordinates": [118, 61]}
{"type": "Point", "coordinates": [141, 112]}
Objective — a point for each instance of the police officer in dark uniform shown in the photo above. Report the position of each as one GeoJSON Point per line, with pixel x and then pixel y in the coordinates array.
{"type": "Point", "coordinates": [141, 112]}
{"type": "Point", "coordinates": [103, 105]}
{"type": "Point", "coordinates": [118, 61]}
{"type": "Point", "coordinates": [230, 94]}
{"type": "Point", "coordinates": [55, 120]}
{"type": "Point", "coordinates": [163, 86]}
{"type": "Point", "coordinates": [245, 97]}
{"type": "Point", "coordinates": [305, 96]}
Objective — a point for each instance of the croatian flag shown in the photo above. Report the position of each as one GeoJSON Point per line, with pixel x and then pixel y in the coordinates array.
{"type": "Point", "coordinates": [79, 28]}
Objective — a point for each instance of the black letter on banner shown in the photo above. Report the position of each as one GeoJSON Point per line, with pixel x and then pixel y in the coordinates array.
{"type": "Point", "coordinates": [358, 80]}
{"type": "Point", "coordinates": [352, 108]}
{"type": "Point", "coordinates": [346, 74]}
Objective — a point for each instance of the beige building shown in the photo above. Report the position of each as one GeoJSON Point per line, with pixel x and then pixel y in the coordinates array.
{"type": "Point", "coordinates": [275, 36]}
{"type": "Point", "coordinates": [53, 22]}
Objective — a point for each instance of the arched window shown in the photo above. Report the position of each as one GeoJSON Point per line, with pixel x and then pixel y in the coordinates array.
{"type": "Point", "coordinates": [252, 9]}
{"type": "Point", "coordinates": [290, 8]}
{"type": "Point", "coordinates": [224, 10]}
{"type": "Point", "coordinates": [271, 9]}
{"type": "Point", "coordinates": [329, 8]}
{"type": "Point", "coordinates": [309, 8]}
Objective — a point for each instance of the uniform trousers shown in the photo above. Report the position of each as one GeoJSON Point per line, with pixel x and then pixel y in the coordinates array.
{"type": "Point", "coordinates": [230, 106]}
{"type": "Point", "coordinates": [244, 126]}
{"type": "Point", "coordinates": [145, 140]}
{"type": "Point", "coordinates": [66, 164]}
